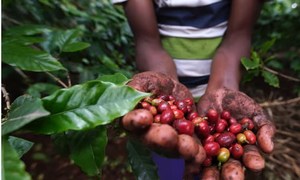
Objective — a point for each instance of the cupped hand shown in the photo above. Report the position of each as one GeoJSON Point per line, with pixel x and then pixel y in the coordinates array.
{"type": "Point", "coordinates": [161, 84]}
{"type": "Point", "coordinates": [240, 105]}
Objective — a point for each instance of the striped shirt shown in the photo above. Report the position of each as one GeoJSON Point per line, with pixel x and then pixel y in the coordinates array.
{"type": "Point", "coordinates": [191, 31]}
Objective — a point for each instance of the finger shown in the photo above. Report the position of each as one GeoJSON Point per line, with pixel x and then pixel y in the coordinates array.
{"type": "Point", "coordinates": [252, 159]}
{"type": "Point", "coordinates": [232, 169]}
{"type": "Point", "coordinates": [200, 156]}
{"type": "Point", "coordinates": [210, 173]}
{"type": "Point", "coordinates": [265, 138]}
{"type": "Point", "coordinates": [153, 82]}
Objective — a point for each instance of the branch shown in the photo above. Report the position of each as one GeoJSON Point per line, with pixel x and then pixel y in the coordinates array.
{"type": "Point", "coordinates": [280, 74]}
{"type": "Point", "coordinates": [69, 80]}
{"type": "Point", "coordinates": [23, 75]}
{"type": "Point", "coordinates": [4, 16]}
{"type": "Point", "coordinates": [280, 103]}
{"type": "Point", "coordinates": [57, 79]}
{"type": "Point", "coordinates": [6, 98]}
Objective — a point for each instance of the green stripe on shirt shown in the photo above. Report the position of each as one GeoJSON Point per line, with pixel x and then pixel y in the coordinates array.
{"type": "Point", "coordinates": [189, 48]}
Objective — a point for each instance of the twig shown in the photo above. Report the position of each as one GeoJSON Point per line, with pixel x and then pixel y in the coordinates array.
{"type": "Point", "coordinates": [23, 75]}
{"type": "Point", "coordinates": [57, 80]}
{"type": "Point", "coordinates": [295, 135]}
{"type": "Point", "coordinates": [6, 97]}
{"type": "Point", "coordinates": [4, 16]}
{"type": "Point", "coordinates": [280, 74]}
{"type": "Point", "coordinates": [69, 80]}
{"type": "Point", "coordinates": [280, 103]}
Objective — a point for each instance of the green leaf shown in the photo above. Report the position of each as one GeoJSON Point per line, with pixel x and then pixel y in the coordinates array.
{"type": "Point", "coordinates": [116, 78]}
{"type": "Point", "coordinates": [76, 46]}
{"type": "Point", "coordinates": [27, 29]}
{"type": "Point", "coordinates": [24, 110]}
{"type": "Point", "coordinates": [252, 63]}
{"type": "Point", "coordinates": [266, 46]}
{"type": "Point", "coordinates": [250, 75]}
{"type": "Point", "coordinates": [37, 89]}
{"type": "Point", "coordinates": [64, 40]}
{"type": "Point", "coordinates": [86, 106]}
{"type": "Point", "coordinates": [29, 59]}
{"type": "Point", "coordinates": [274, 63]}
{"type": "Point", "coordinates": [270, 78]}
{"type": "Point", "coordinates": [20, 145]}
{"type": "Point", "coordinates": [86, 148]}
{"type": "Point", "coordinates": [12, 167]}
{"type": "Point", "coordinates": [141, 162]}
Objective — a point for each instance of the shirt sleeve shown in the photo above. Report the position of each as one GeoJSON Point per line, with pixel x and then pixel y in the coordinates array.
{"type": "Point", "coordinates": [118, 1]}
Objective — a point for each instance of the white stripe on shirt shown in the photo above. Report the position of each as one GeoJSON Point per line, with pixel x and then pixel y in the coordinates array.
{"type": "Point", "coordinates": [192, 32]}
{"type": "Point", "coordinates": [193, 68]}
{"type": "Point", "coordinates": [184, 3]}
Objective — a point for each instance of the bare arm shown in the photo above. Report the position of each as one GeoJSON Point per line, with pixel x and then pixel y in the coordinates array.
{"type": "Point", "coordinates": [225, 71]}
{"type": "Point", "coordinates": [150, 55]}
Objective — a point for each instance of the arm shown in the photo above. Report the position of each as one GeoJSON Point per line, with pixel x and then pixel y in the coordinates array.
{"type": "Point", "coordinates": [225, 70]}
{"type": "Point", "coordinates": [150, 55]}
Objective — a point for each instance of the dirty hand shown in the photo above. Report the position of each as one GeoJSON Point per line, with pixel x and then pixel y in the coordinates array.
{"type": "Point", "coordinates": [240, 105]}
{"type": "Point", "coordinates": [162, 137]}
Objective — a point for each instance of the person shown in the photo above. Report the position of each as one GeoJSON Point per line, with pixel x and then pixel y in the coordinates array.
{"type": "Point", "coordinates": [199, 43]}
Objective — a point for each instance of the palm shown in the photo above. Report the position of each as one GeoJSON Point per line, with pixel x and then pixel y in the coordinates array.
{"type": "Point", "coordinates": [240, 105]}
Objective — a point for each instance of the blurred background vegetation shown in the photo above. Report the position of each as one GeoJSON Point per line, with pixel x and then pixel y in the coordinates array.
{"type": "Point", "coordinates": [92, 38]}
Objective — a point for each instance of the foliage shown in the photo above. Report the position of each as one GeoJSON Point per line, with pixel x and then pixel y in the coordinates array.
{"type": "Point", "coordinates": [255, 66]}
{"type": "Point", "coordinates": [72, 60]}
{"type": "Point", "coordinates": [57, 28]}
{"type": "Point", "coordinates": [276, 45]}
{"type": "Point", "coordinates": [80, 54]}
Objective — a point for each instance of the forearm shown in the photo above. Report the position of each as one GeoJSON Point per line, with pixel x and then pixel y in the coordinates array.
{"type": "Point", "coordinates": [225, 70]}
{"type": "Point", "coordinates": [150, 55]}
{"type": "Point", "coordinates": [153, 58]}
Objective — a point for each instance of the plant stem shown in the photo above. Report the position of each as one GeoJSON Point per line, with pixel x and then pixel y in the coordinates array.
{"type": "Point", "coordinates": [6, 97]}
{"type": "Point", "coordinates": [280, 74]}
{"type": "Point", "coordinates": [57, 80]}
{"type": "Point", "coordinates": [280, 103]}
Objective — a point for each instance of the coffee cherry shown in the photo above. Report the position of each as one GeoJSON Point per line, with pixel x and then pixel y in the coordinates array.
{"type": "Point", "coordinates": [223, 155]}
{"type": "Point", "coordinates": [189, 101]}
{"type": "Point", "coordinates": [208, 139]}
{"type": "Point", "coordinates": [236, 150]}
{"type": "Point", "coordinates": [202, 129]}
{"type": "Point", "coordinates": [250, 136]}
{"type": "Point", "coordinates": [178, 114]}
{"type": "Point", "coordinates": [235, 128]}
{"type": "Point", "coordinates": [181, 105]}
{"type": "Point", "coordinates": [226, 139]}
{"type": "Point", "coordinates": [220, 126]}
{"type": "Point", "coordinates": [163, 105]}
{"type": "Point", "coordinates": [212, 116]}
{"type": "Point", "coordinates": [241, 138]}
{"type": "Point", "coordinates": [212, 148]}
{"type": "Point", "coordinates": [167, 116]}
{"type": "Point", "coordinates": [192, 115]}
{"type": "Point", "coordinates": [153, 110]}
{"type": "Point", "coordinates": [225, 115]}
{"type": "Point", "coordinates": [247, 123]}
{"type": "Point", "coordinates": [184, 126]}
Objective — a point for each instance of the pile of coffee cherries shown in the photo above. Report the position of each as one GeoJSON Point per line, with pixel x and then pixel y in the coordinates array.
{"type": "Point", "coordinates": [222, 136]}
